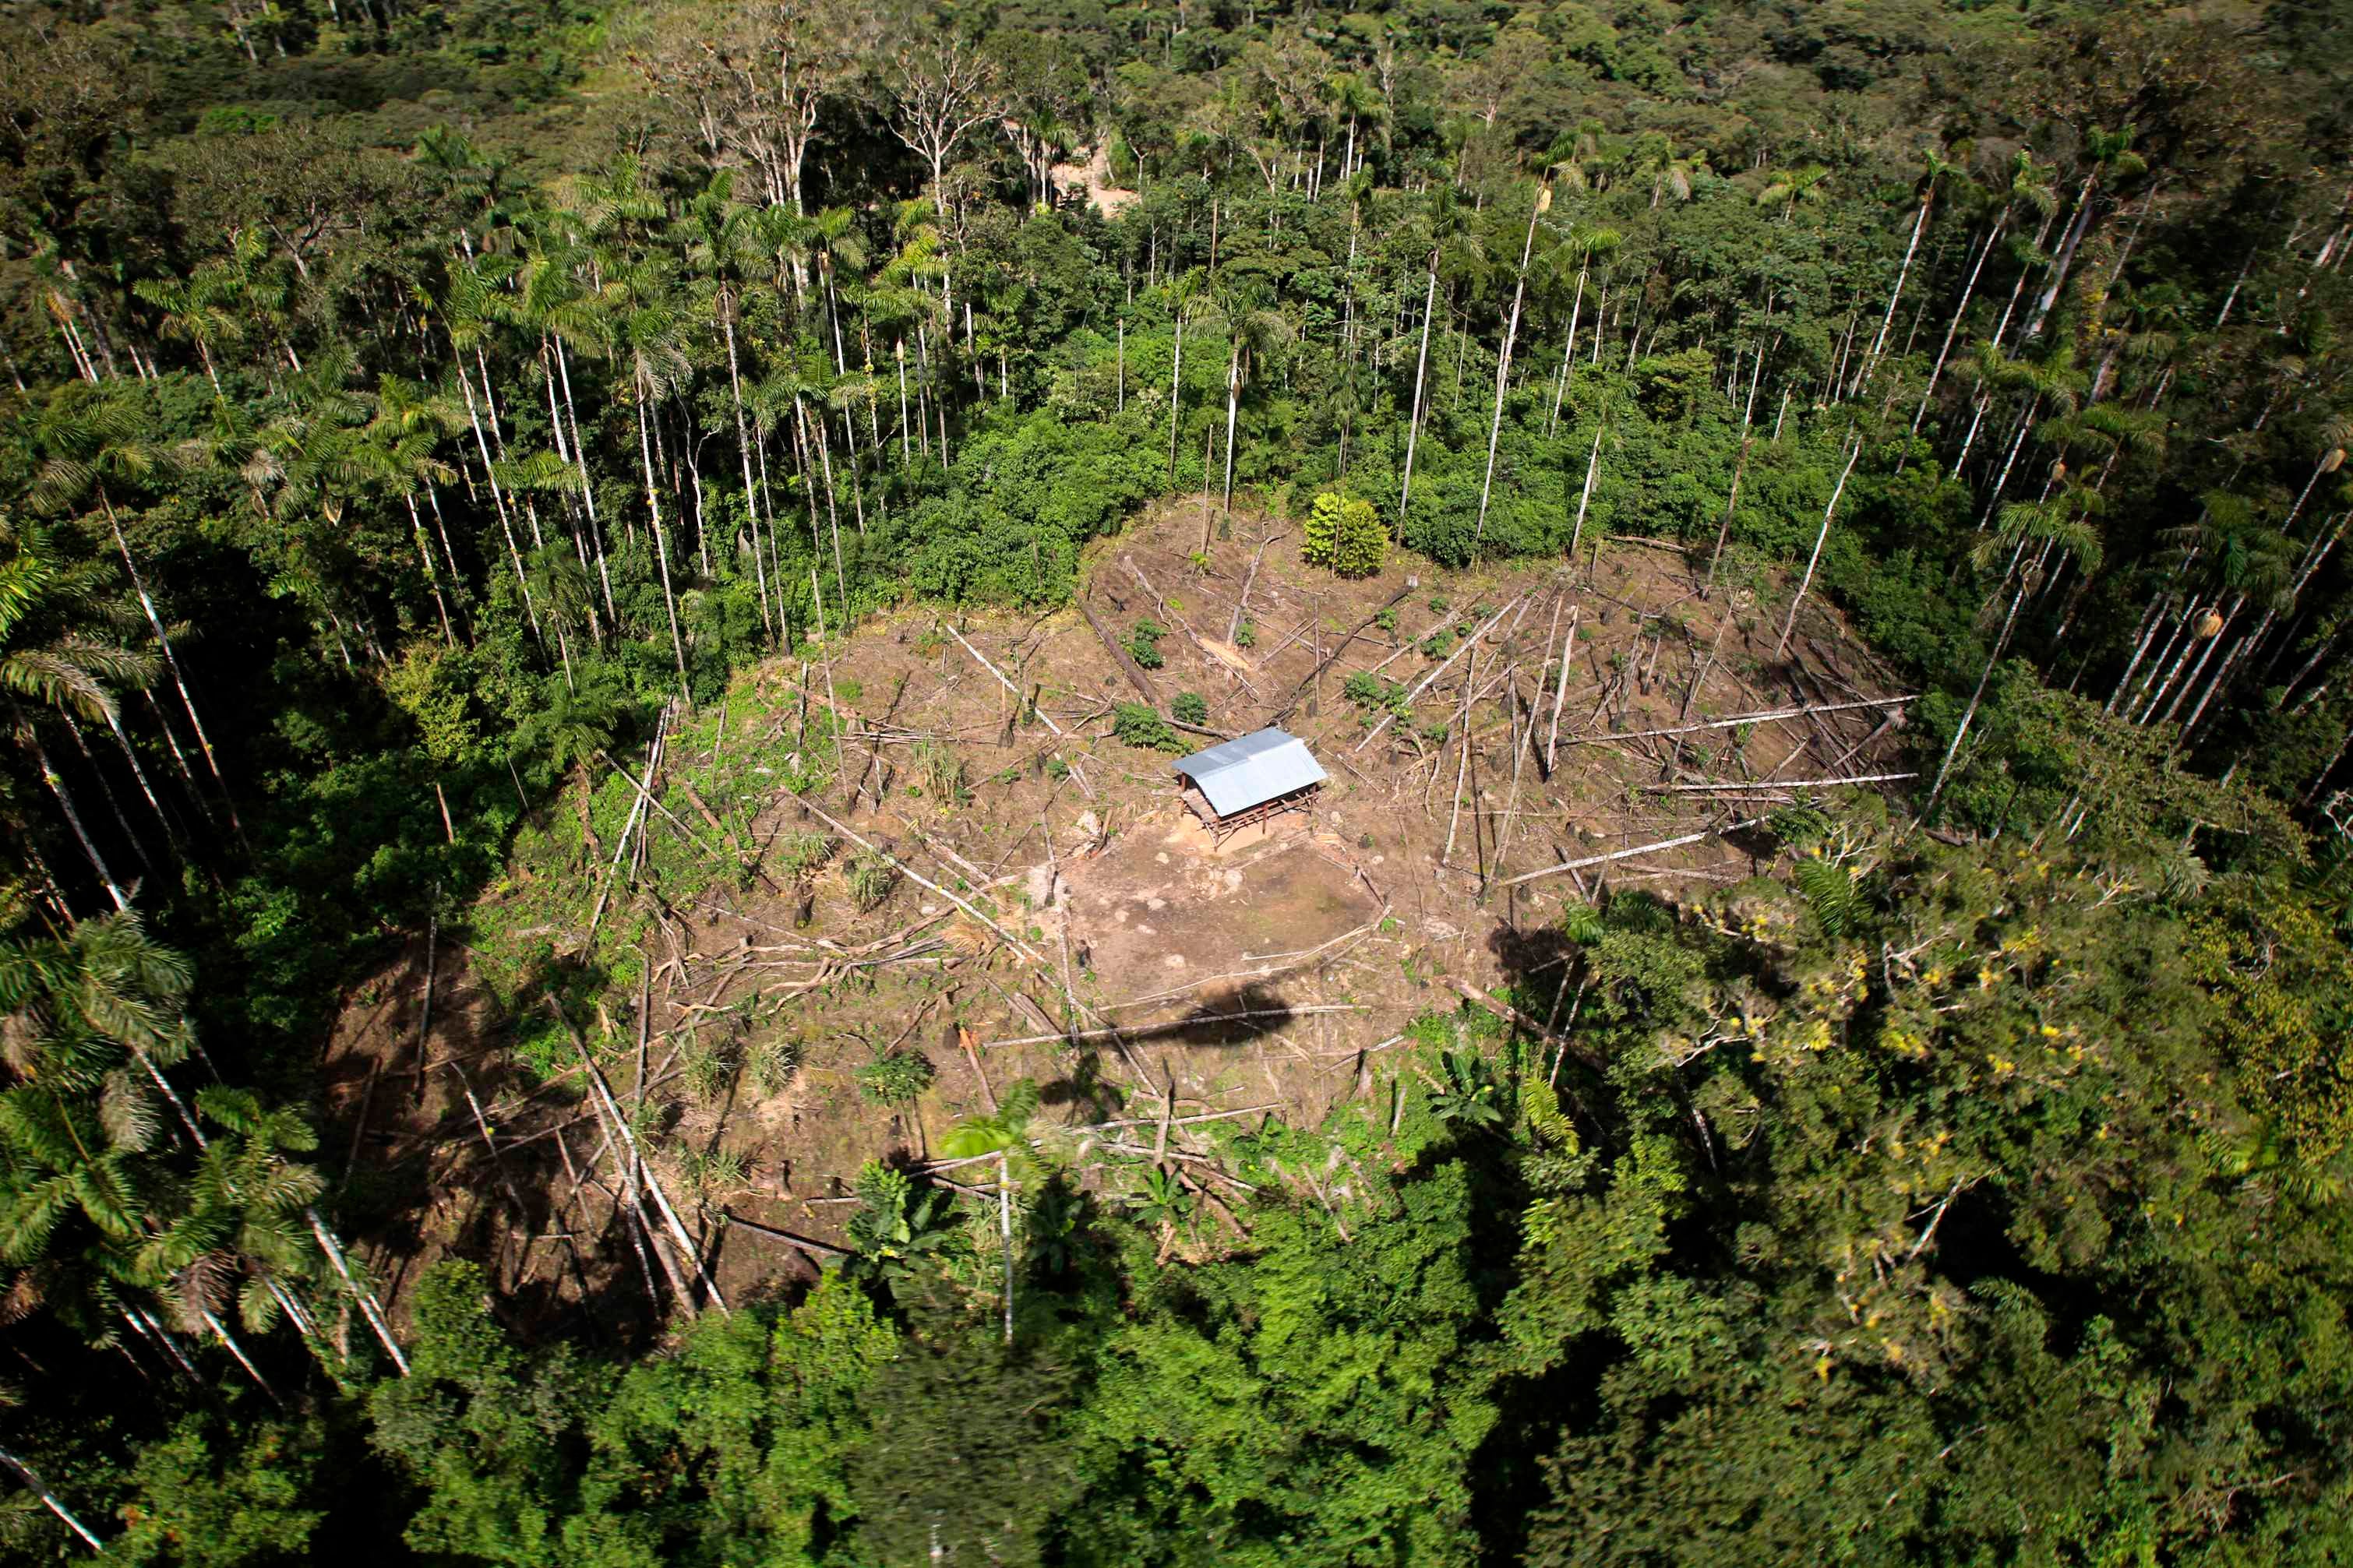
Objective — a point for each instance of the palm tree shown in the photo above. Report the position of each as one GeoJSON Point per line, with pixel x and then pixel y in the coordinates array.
{"type": "Point", "coordinates": [554, 304]}
{"type": "Point", "coordinates": [205, 310]}
{"type": "Point", "coordinates": [49, 660]}
{"type": "Point", "coordinates": [242, 1226]}
{"type": "Point", "coordinates": [1353, 101]}
{"type": "Point", "coordinates": [1443, 233]}
{"type": "Point", "coordinates": [1254, 331]}
{"type": "Point", "coordinates": [575, 731]}
{"type": "Point", "coordinates": [1182, 289]}
{"type": "Point", "coordinates": [1791, 186]}
{"type": "Point", "coordinates": [1925, 194]}
{"type": "Point", "coordinates": [1584, 242]}
{"type": "Point", "coordinates": [91, 440]}
{"type": "Point", "coordinates": [650, 334]}
{"type": "Point", "coordinates": [1004, 1132]}
{"type": "Point", "coordinates": [784, 393]}
{"type": "Point", "coordinates": [2026, 185]}
{"type": "Point", "coordinates": [722, 237]}
{"type": "Point", "coordinates": [2111, 158]}
{"type": "Point", "coordinates": [410, 419]}
{"type": "Point", "coordinates": [2053, 380]}
{"type": "Point", "coordinates": [1542, 204]}
{"type": "Point", "coordinates": [469, 304]}
{"type": "Point", "coordinates": [833, 242]}
{"type": "Point", "coordinates": [77, 1135]}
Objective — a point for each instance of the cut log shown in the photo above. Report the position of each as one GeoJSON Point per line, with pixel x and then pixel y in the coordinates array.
{"type": "Point", "coordinates": [1120, 656]}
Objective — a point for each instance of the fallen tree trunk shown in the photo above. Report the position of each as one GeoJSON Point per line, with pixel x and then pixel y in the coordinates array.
{"type": "Point", "coordinates": [1739, 718]}
{"type": "Point", "coordinates": [816, 1249]}
{"type": "Point", "coordinates": [1732, 786]}
{"type": "Point", "coordinates": [1120, 656]}
{"type": "Point", "coordinates": [1629, 854]}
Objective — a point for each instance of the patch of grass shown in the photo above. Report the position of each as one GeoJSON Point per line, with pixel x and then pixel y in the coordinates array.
{"type": "Point", "coordinates": [803, 855]}
{"type": "Point", "coordinates": [769, 1065]}
{"type": "Point", "coordinates": [709, 1070]}
{"type": "Point", "coordinates": [941, 773]}
{"type": "Point", "coordinates": [870, 879]}
{"type": "Point", "coordinates": [711, 1175]}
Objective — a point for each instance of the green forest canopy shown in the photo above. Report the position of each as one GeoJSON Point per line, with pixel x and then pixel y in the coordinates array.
{"type": "Point", "coordinates": [409, 399]}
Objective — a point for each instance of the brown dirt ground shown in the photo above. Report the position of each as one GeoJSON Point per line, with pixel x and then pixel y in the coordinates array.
{"type": "Point", "coordinates": [1328, 925]}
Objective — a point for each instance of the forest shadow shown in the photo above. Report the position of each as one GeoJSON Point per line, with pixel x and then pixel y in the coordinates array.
{"type": "Point", "coordinates": [1230, 1018]}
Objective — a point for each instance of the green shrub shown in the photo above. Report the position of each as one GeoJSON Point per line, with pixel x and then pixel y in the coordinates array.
{"type": "Point", "coordinates": [895, 1078]}
{"type": "Point", "coordinates": [1137, 725]}
{"type": "Point", "coordinates": [1144, 643]}
{"type": "Point", "coordinates": [1345, 534]}
{"type": "Point", "coordinates": [1190, 708]}
{"type": "Point", "coordinates": [1246, 635]}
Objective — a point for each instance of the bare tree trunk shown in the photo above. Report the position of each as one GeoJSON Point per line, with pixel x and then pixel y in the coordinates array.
{"type": "Point", "coordinates": [1568, 353]}
{"type": "Point", "coordinates": [73, 817]}
{"type": "Point", "coordinates": [1584, 496]}
{"type": "Point", "coordinates": [1807, 581]}
{"type": "Point", "coordinates": [832, 513]}
{"type": "Point", "coordinates": [51, 1501]}
{"type": "Point", "coordinates": [1871, 359]}
{"type": "Point", "coordinates": [498, 499]}
{"type": "Point", "coordinates": [1503, 370]}
{"type": "Point", "coordinates": [1953, 326]}
{"type": "Point", "coordinates": [1725, 531]}
{"type": "Point", "coordinates": [1175, 388]}
{"type": "Point", "coordinates": [1968, 714]}
{"type": "Point", "coordinates": [661, 552]}
{"type": "Point", "coordinates": [172, 662]}
{"type": "Point", "coordinates": [360, 1292]}
{"type": "Point", "coordinates": [1421, 373]}
{"type": "Point", "coordinates": [1233, 412]}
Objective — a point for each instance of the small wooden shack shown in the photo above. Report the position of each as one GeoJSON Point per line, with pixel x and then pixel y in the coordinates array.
{"type": "Point", "coordinates": [1250, 779]}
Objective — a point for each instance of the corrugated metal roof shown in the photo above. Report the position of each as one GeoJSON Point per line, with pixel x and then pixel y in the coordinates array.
{"type": "Point", "coordinates": [1252, 770]}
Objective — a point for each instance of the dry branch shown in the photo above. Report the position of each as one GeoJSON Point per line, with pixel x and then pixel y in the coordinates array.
{"type": "Point", "coordinates": [1338, 649]}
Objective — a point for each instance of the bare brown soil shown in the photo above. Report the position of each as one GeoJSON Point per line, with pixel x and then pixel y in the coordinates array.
{"type": "Point", "coordinates": [1267, 972]}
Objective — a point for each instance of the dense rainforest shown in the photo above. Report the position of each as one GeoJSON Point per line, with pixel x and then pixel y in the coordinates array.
{"type": "Point", "coordinates": [411, 401]}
